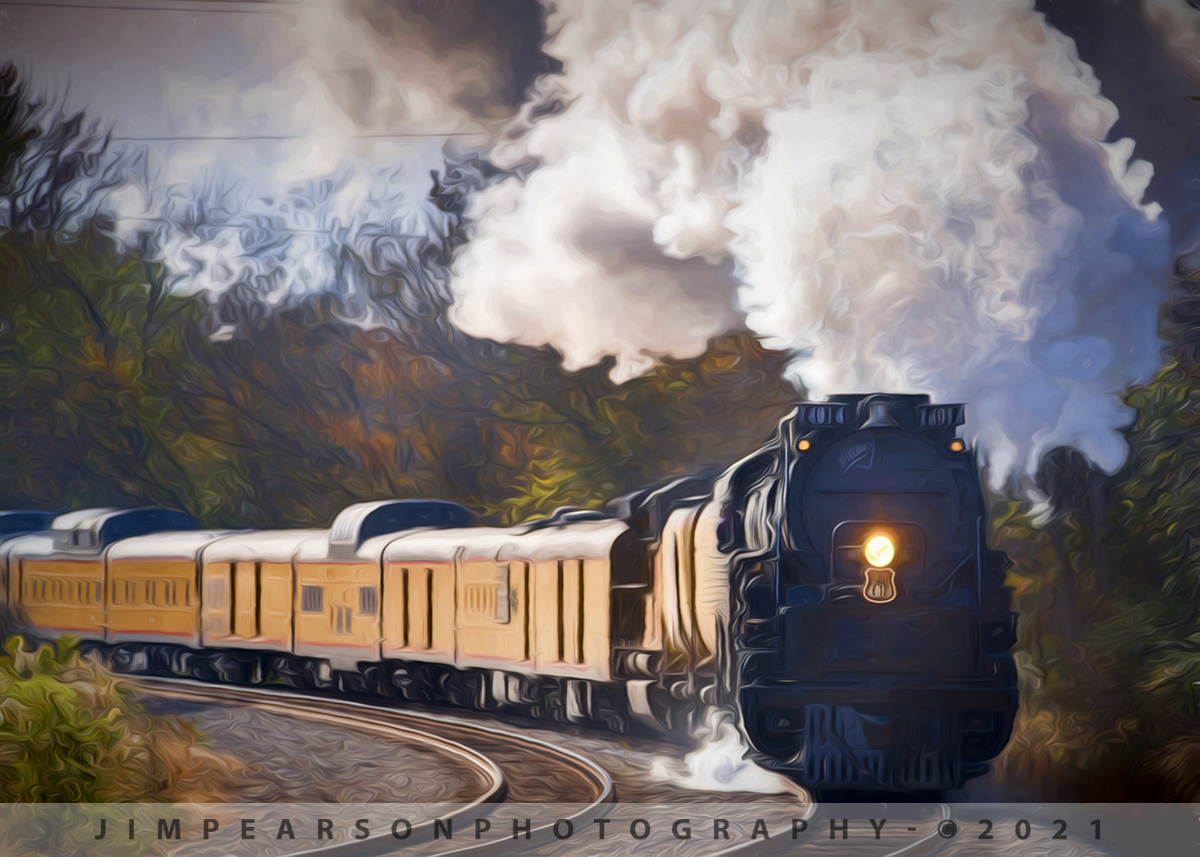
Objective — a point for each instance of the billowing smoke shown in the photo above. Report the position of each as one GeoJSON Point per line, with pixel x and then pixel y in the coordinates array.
{"type": "Point", "coordinates": [913, 196]}
{"type": "Point", "coordinates": [278, 138]}
{"type": "Point", "coordinates": [916, 197]}
{"type": "Point", "coordinates": [718, 763]}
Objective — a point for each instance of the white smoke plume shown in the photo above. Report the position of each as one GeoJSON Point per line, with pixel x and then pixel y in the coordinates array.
{"type": "Point", "coordinates": [361, 105]}
{"type": "Point", "coordinates": [719, 763]}
{"type": "Point", "coordinates": [914, 197]}
{"type": "Point", "coordinates": [269, 134]}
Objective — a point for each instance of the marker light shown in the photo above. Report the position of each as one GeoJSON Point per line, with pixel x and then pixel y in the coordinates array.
{"type": "Point", "coordinates": [956, 446]}
{"type": "Point", "coordinates": [803, 445]}
{"type": "Point", "coordinates": [879, 551]}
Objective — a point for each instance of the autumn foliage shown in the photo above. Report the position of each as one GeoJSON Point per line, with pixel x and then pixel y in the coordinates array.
{"type": "Point", "coordinates": [1107, 583]}
{"type": "Point", "coordinates": [72, 732]}
{"type": "Point", "coordinates": [116, 389]}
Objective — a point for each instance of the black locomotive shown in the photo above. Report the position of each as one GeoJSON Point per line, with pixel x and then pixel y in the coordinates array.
{"type": "Point", "coordinates": [870, 625]}
{"type": "Point", "coordinates": [834, 591]}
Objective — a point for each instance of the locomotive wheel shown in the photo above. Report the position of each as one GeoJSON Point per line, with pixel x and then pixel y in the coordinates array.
{"type": "Point", "coordinates": [771, 733]}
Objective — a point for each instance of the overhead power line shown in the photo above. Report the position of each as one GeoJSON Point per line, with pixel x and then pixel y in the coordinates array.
{"type": "Point", "coordinates": [255, 138]}
{"type": "Point", "coordinates": [196, 6]}
{"type": "Point", "coordinates": [254, 227]}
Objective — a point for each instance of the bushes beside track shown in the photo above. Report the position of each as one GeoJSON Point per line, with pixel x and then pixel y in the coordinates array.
{"type": "Point", "coordinates": [72, 732]}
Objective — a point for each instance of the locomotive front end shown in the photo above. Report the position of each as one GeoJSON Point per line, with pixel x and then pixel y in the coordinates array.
{"type": "Point", "coordinates": [871, 631]}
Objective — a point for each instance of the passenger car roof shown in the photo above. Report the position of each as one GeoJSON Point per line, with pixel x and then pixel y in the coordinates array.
{"type": "Point", "coordinates": [578, 540]}
{"type": "Point", "coordinates": [260, 546]}
{"type": "Point", "coordinates": [186, 544]}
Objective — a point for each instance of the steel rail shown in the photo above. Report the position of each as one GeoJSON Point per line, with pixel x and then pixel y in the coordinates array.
{"type": "Point", "coordinates": [361, 715]}
{"type": "Point", "coordinates": [496, 783]}
{"type": "Point", "coordinates": [375, 718]}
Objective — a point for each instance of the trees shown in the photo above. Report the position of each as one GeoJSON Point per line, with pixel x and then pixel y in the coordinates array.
{"type": "Point", "coordinates": [113, 389]}
{"type": "Point", "coordinates": [88, 327]}
{"type": "Point", "coordinates": [1108, 590]}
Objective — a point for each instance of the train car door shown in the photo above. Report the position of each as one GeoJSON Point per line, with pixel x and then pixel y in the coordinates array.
{"type": "Point", "coordinates": [418, 610]}
{"type": "Point", "coordinates": [247, 604]}
{"type": "Point", "coordinates": [493, 615]}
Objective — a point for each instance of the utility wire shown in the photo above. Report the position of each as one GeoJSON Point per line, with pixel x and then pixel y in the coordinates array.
{"type": "Point", "coordinates": [218, 138]}
{"type": "Point", "coordinates": [217, 6]}
{"type": "Point", "coordinates": [290, 230]}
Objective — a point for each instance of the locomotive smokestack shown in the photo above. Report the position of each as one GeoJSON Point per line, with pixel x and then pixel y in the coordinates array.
{"type": "Point", "coordinates": [881, 416]}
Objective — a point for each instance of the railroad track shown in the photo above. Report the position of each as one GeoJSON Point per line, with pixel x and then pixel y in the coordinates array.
{"type": "Point", "coordinates": [925, 842]}
{"type": "Point", "coordinates": [517, 769]}
{"type": "Point", "coordinates": [514, 768]}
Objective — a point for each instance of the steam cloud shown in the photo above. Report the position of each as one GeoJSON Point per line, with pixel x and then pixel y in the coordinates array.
{"type": "Point", "coordinates": [912, 196]}
{"type": "Point", "coordinates": [280, 138]}
{"type": "Point", "coordinates": [915, 197]}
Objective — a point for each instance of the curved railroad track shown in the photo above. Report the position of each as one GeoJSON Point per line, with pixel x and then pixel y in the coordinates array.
{"type": "Point", "coordinates": [923, 844]}
{"type": "Point", "coordinates": [513, 769]}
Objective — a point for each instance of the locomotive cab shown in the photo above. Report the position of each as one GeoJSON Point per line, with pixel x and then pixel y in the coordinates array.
{"type": "Point", "coordinates": [874, 646]}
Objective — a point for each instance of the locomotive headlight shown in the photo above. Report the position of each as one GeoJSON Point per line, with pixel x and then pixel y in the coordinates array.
{"type": "Point", "coordinates": [879, 551]}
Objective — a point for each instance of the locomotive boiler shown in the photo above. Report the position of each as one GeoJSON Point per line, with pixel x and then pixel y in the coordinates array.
{"type": "Point", "coordinates": [871, 627]}
{"type": "Point", "coordinates": [833, 591]}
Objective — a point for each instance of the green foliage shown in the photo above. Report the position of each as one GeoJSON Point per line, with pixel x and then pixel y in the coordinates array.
{"type": "Point", "coordinates": [87, 408]}
{"type": "Point", "coordinates": [1109, 594]}
{"type": "Point", "coordinates": [115, 390]}
{"type": "Point", "coordinates": [71, 732]}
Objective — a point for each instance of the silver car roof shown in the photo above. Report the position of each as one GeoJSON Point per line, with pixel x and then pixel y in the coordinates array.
{"type": "Point", "coordinates": [85, 519]}
{"type": "Point", "coordinates": [180, 545]}
{"type": "Point", "coordinates": [260, 546]}
{"type": "Point", "coordinates": [37, 544]}
{"type": "Point", "coordinates": [583, 539]}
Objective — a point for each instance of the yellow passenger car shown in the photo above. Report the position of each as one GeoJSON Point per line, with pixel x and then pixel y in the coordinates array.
{"type": "Point", "coordinates": [13, 525]}
{"type": "Point", "coordinates": [60, 577]}
{"type": "Point", "coordinates": [153, 593]}
{"type": "Point", "coordinates": [338, 593]}
{"type": "Point", "coordinates": [336, 605]}
{"type": "Point", "coordinates": [529, 602]}
{"type": "Point", "coordinates": [246, 582]}
{"type": "Point", "coordinates": [574, 600]}
{"type": "Point", "coordinates": [420, 573]}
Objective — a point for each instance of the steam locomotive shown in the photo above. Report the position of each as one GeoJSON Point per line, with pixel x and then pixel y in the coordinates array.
{"type": "Point", "coordinates": [833, 591]}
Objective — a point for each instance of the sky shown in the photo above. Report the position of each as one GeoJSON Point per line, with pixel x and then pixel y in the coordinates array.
{"type": "Point", "coordinates": [977, 199]}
